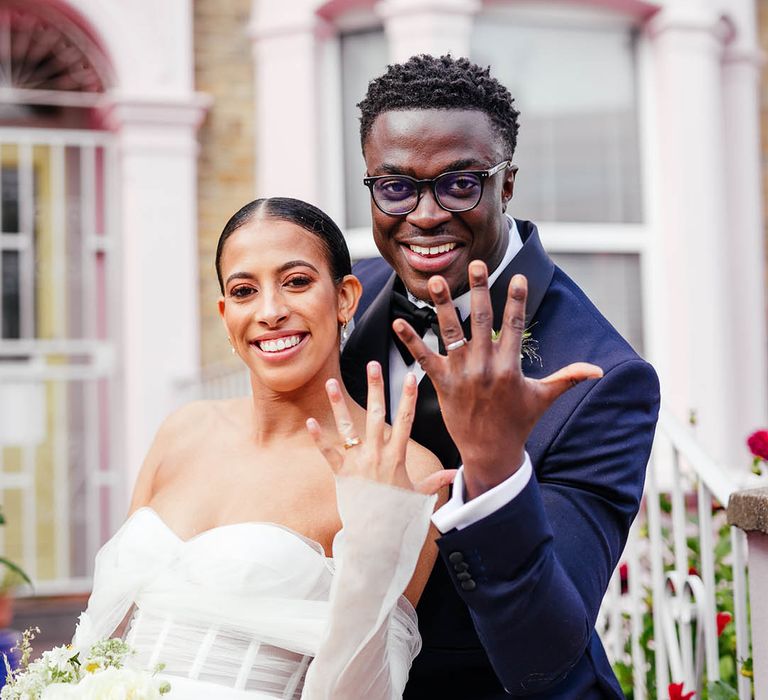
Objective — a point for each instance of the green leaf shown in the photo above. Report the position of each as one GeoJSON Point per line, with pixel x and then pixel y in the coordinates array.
{"type": "Point", "coordinates": [721, 691]}
{"type": "Point", "coordinates": [16, 569]}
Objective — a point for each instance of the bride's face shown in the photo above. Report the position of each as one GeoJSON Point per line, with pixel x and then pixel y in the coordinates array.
{"type": "Point", "coordinates": [281, 307]}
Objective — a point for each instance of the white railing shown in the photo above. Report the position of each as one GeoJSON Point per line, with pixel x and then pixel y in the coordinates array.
{"type": "Point", "coordinates": [224, 380]}
{"type": "Point", "coordinates": [57, 470]}
{"type": "Point", "coordinates": [682, 566]}
{"type": "Point", "coordinates": [60, 474]}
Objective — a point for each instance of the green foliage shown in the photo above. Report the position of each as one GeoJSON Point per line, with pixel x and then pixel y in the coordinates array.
{"type": "Point", "coordinates": [730, 668]}
{"type": "Point", "coordinates": [720, 691]}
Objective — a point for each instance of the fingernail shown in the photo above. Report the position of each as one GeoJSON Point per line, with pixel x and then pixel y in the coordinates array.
{"type": "Point", "coordinates": [332, 386]}
{"type": "Point", "coordinates": [476, 268]}
{"type": "Point", "coordinates": [312, 424]}
{"type": "Point", "coordinates": [374, 369]}
{"type": "Point", "coordinates": [410, 379]}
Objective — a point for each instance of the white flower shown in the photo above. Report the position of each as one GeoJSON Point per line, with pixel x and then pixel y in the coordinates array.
{"type": "Point", "coordinates": [59, 659]}
{"type": "Point", "coordinates": [60, 691]}
{"type": "Point", "coordinates": [25, 688]}
{"type": "Point", "coordinates": [109, 684]}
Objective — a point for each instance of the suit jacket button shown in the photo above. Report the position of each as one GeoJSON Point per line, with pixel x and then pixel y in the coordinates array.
{"type": "Point", "coordinates": [461, 566]}
{"type": "Point", "coordinates": [468, 585]}
{"type": "Point", "coordinates": [455, 557]}
{"type": "Point", "coordinates": [464, 576]}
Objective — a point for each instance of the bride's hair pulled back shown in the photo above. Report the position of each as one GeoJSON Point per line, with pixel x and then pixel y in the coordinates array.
{"type": "Point", "coordinates": [294, 211]}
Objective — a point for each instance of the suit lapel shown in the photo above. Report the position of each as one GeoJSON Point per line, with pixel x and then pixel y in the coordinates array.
{"type": "Point", "coordinates": [531, 261]}
{"type": "Point", "coordinates": [370, 340]}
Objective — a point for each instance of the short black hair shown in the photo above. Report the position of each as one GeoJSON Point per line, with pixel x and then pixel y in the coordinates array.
{"type": "Point", "coordinates": [427, 82]}
{"type": "Point", "coordinates": [305, 215]}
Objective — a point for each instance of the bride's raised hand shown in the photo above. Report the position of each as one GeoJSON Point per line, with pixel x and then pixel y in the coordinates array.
{"type": "Point", "coordinates": [381, 456]}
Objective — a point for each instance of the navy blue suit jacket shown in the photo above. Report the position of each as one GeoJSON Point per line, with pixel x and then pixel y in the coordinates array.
{"type": "Point", "coordinates": [541, 563]}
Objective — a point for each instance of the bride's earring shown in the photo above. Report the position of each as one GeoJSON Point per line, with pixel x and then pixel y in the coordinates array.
{"type": "Point", "coordinates": [344, 332]}
{"type": "Point", "coordinates": [231, 347]}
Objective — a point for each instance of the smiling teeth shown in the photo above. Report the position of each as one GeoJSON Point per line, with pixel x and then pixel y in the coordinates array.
{"type": "Point", "coordinates": [436, 250]}
{"type": "Point", "coordinates": [279, 344]}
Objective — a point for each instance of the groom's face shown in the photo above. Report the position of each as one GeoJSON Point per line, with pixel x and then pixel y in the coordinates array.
{"type": "Point", "coordinates": [425, 143]}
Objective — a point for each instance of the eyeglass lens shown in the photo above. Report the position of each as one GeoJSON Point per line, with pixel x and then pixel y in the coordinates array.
{"type": "Point", "coordinates": [454, 192]}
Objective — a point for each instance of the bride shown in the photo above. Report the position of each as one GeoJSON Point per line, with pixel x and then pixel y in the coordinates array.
{"type": "Point", "coordinates": [233, 565]}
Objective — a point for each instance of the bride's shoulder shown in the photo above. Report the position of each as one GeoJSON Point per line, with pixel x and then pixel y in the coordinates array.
{"type": "Point", "coordinates": [183, 431]}
{"type": "Point", "coordinates": [198, 415]}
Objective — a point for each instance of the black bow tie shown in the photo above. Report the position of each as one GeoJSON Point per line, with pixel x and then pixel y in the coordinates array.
{"type": "Point", "coordinates": [421, 319]}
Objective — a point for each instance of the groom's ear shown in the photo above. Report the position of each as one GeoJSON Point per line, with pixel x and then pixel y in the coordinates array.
{"type": "Point", "coordinates": [349, 290]}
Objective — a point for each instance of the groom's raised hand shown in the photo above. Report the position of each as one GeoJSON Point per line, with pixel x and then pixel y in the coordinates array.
{"type": "Point", "coordinates": [488, 405]}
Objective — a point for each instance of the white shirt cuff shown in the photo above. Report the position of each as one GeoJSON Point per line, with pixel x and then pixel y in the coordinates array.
{"type": "Point", "coordinates": [458, 514]}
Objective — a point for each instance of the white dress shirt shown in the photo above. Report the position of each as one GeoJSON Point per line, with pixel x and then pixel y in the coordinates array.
{"type": "Point", "coordinates": [456, 513]}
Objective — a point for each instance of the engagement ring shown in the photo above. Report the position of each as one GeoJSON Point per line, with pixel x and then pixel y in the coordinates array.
{"type": "Point", "coordinates": [351, 442]}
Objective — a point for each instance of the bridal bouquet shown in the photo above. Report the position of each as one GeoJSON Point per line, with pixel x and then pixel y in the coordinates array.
{"type": "Point", "coordinates": [106, 672]}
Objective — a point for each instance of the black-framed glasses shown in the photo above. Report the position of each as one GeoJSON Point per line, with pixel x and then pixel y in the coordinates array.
{"type": "Point", "coordinates": [457, 191]}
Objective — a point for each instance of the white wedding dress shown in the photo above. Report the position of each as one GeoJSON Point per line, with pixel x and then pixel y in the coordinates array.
{"type": "Point", "coordinates": [256, 611]}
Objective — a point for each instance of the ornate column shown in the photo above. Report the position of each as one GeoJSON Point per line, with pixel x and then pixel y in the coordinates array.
{"type": "Point", "coordinates": [696, 352]}
{"type": "Point", "coordinates": [427, 26]}
{"type": "Point", "coordinates": [159, 315]}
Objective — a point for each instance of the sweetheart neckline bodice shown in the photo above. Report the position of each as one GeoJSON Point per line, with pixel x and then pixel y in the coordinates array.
{"type": "Point", "coordinates": [313, 545]}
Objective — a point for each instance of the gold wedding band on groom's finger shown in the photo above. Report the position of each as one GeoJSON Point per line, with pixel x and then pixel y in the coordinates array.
{"type": "Point", "coordinates": [456, 344]}
{"type": "Point", "coordinates": [351, 442]}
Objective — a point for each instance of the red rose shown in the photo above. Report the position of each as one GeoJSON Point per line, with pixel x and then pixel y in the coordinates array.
{"type": "Point", "coordinates": [675, 691]}
{"type": "Point", "coordinates": [758, 444]}
{"type": "Point", "coordinates": [624, 577]}
{"type": "Point", "coordinates": [723, 620]}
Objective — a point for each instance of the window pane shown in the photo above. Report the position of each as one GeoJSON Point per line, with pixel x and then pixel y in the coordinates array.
{"type": "Point", "coordinates": [612, 282]}
{"type": "Point", "coordinates": [363, 57]}
{"type": "Point", "coordinates": [9, 281]}
{"type": "Point", "coordinates": [576, 90]}
{"type": "Point", "coordinates": [9, 186]}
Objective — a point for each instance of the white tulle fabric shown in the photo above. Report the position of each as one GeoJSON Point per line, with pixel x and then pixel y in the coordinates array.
{"type": "Point", "coordinates": [255, 610]}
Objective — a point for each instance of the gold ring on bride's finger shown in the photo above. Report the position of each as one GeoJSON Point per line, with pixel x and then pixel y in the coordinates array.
{"type": "Point", "coordinates": [351, 442]}
{"type": "Point", "coordinates": [456, 345]}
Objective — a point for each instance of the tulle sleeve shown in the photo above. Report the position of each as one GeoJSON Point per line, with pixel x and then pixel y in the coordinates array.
{"type": "Point", "coordinates": [372, 636]}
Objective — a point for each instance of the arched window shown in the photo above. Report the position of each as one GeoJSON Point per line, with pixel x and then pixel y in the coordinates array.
{"type": "Point", "coordinates": [48, 63]}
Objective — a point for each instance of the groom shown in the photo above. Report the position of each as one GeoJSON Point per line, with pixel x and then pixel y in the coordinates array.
{"type": "Point", "coordinates": [541, 509]}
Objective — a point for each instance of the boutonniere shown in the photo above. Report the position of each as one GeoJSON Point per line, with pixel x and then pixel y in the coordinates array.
{"type": "Point", "coordinates": [529, 348]}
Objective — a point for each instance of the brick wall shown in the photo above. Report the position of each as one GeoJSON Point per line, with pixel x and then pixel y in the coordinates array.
{"type": "Point", "coordinates": [223, 69]}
